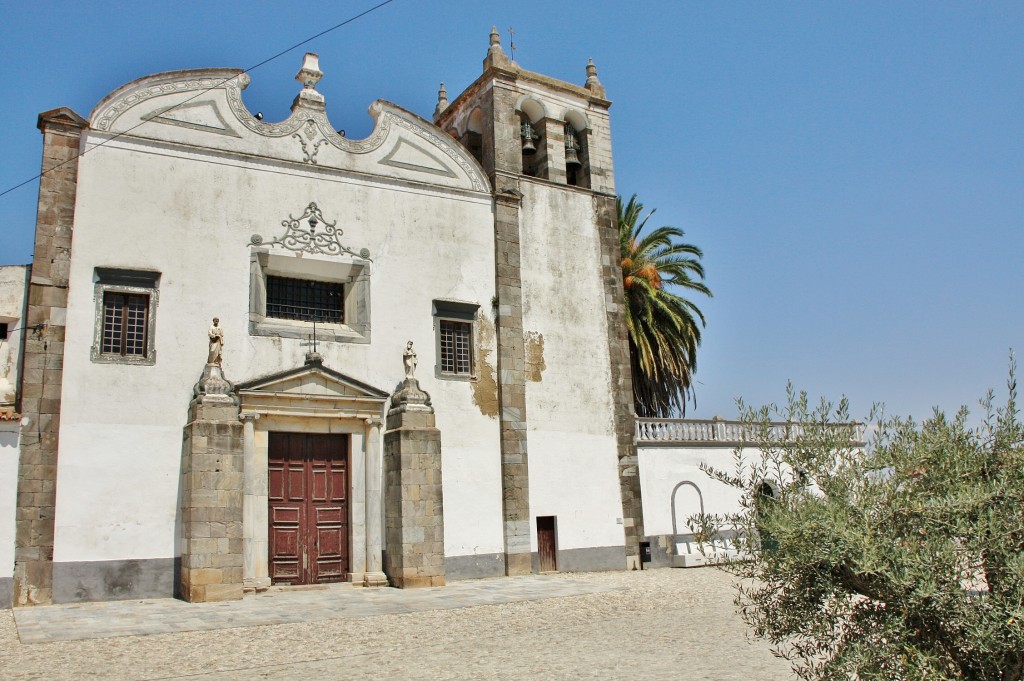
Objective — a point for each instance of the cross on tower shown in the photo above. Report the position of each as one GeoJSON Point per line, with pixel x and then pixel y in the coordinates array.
{"type": "Point", "coordinates": [511, 42]}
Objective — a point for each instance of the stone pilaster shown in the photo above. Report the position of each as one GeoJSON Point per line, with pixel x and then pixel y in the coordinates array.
{"type": "Point", "coordinates": [212, 491]}
{"type": "Point", "coordinates": [515, 478]}
{"type": "Point", "coordinates": [254, 508]}
{"type": "Point", "coordinates": [621, 375]}
{"type": "Point", "coordinates": [42, 377]}
{"type": "Point", "coordinates": [552, 166]}
{"type": "Point", "coordinates": [374, 505]}
{"type": "Point", "coordinates": [413, 500]}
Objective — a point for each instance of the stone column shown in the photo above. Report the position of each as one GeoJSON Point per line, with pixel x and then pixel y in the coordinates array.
{"type": "Point", "coordinates": [515, 476]}
{"type": "Point", "coordinates": [255, 537]}
{"type": "Point", "coordinates": [43, 372]}
{"type": "Point", "coordinates": [374, 566]}
{"type": "Point", "coordinates": [212, 484]}
{"type": "Point", "coordinates": [357, 511]}
{"type": "Point", "coordinates": [414, 509]}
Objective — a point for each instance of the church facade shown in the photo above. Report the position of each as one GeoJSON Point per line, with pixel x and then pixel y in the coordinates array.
{"type": "Point", "coordinates": [418, 370]}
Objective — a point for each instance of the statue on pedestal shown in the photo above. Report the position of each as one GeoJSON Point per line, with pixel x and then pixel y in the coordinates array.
{"type": "Point", "coordinates": [216, 343]}
{"type": "Point", "coordinates": [410, 361]}
{"type": "Point", "coordinates": [213, 386]}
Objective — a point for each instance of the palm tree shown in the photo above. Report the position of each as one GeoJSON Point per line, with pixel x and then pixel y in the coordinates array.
{"type": "Point", "coordinates": [664, 327]}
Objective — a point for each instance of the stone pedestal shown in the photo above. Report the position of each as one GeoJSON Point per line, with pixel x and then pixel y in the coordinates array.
{"type": "Point", "coordinates": [212, 482]}
{"type": "Point", "coordinates": [413, 503]}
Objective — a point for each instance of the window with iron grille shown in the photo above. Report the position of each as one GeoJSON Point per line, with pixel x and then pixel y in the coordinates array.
{"type": "Point", "coordinates": [125, 324]}
{"type": "Point", "coordinates": [456, 347]}
{"type": "Point", "coordinates": [305, 300]}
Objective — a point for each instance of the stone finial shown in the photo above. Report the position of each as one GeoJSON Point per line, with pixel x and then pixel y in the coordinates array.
{"type": "Point", "coordinates": [593, 84]}
{"type": "Point", "coordinates": [495, 55]}
{"type": "Point", "coordinates": [442, 102]}
{"type": "Point", "coordinates": [309, 75]}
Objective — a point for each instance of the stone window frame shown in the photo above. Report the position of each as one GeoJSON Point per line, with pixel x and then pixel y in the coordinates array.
{"type": "Point", "coordinates": [352, 273]}
{"type": "Point", "coordinates": [130, 282]}
{"type": "Point", "coordinates": [455, 311]}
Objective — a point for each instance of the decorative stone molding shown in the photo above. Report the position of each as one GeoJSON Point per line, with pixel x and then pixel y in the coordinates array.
{"type": "Point", "coordinates": [111, 108]}
{"type": "Point", "coordinates": [307, 121]}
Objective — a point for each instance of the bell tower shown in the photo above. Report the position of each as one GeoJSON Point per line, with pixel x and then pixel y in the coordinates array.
{"type": "Point", "coordinates": [517, 122]}
{"type": "Point", "coordinates": [546, 146]}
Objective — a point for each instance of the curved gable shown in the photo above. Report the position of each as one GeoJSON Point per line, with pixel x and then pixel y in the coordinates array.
{"type": "Point", "coordinates": [204, 108]}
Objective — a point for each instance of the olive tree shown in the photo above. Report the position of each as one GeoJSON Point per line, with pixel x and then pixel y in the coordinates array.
{"type": "Point", "coordinates": [897, 558]}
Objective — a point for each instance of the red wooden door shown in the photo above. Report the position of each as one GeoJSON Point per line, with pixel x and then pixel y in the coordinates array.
{"type": "Point", "coordinates": [308, 490]}
{"type": "Point", "coordinates": [547, 560]}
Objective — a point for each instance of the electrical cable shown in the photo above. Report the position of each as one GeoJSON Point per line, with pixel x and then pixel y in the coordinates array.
{"type": "Point", "coordinates": [200, 93]}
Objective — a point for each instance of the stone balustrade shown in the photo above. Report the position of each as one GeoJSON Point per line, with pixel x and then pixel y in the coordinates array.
{"type": "Point", "coordinates": [722, 432]}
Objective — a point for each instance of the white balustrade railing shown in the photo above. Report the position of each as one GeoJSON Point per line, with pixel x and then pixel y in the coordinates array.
{"type": "Point", "coordinates": [664, 431]}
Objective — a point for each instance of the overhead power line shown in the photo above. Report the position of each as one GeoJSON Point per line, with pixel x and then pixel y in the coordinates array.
{"type": "Point", "coordinates": [202, 92]}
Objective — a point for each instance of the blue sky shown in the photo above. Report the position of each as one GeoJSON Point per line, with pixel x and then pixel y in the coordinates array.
{"type": "Point", "coordinates": [853, 171]}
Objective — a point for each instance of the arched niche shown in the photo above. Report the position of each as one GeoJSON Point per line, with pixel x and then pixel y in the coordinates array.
{"type": "Point", "coordinates": [533, 144]}
{"type": "Point", "coordinates": [473, 138]}
{"type": "Point", "coordinates": [577, 135]}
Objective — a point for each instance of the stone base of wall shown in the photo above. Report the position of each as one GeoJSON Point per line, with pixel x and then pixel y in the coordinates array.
{"type": "Point", "coordinates": [6, 593]}
{"type": "Point", "coordinates": [477, 566]}
{"type": "Point", "coordinates": [114, 580]}
{"type": "Point", "coordinates": [589, 559]}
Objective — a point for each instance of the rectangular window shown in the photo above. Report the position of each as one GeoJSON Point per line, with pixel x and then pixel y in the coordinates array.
{"type": "Point", "coordinates": [305, 300]}
{"type": "Point", "coordinates": [125, 320]}
{"type": "Point", "coordinates": [456, 344]}
{"type": "Point", "coordinates": [454, 322]}
{"type": "Point", "coordinates": [125, 324]}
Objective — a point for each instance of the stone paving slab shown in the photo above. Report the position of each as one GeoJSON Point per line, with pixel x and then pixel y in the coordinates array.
{"type": "Point", "coordinates": [80, 621]}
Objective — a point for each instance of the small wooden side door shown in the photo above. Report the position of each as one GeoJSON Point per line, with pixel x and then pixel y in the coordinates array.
{"type": "Point", "coordinates": [547, 560]}
{"type": "Point", "coordinates": [308, 513]}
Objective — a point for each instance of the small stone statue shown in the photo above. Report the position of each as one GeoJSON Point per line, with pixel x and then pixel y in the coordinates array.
{"type": "Point", "coordinates": [216, 343]}
{"type": "Point", "coordinates": [409, 357]}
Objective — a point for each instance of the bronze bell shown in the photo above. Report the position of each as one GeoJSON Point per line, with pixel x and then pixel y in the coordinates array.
{"type": "Point", "coordinates": [526, 132]}
{"type": "Point", "coordinates": [572, 159]}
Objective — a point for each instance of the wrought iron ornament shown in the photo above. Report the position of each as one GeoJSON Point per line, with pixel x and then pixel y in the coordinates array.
{"type": "Point", "coordinates": [311, 232]}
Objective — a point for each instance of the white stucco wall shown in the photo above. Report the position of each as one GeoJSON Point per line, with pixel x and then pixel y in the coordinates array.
{"type": "Point", "coordinates": [662, 468]}
{"type": "Point", "coordinates": [9, 449]}
{"type": "Point", "coordinates": [189, 214]}
{"type": "Point", "coordinates": [571, 439]}
{"type": "Point", "coordinates": [12, 302]}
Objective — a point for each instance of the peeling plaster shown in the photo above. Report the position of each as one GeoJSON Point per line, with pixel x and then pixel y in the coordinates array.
{"type": "Point", "coordinates": [485, 387]}
{"type": "Point", "coordinates": [534, 345]}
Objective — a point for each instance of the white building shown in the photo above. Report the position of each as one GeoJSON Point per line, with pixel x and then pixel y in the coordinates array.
{"type": "Point", "coordinates": [322, 257]}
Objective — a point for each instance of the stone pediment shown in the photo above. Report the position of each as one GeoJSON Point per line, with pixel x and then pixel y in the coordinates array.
{"type": "Point", "coordinates": [312, 385]}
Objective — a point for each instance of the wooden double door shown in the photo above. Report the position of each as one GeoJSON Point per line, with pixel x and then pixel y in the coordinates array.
{"type": "Point", "coordinates": [309, 513]}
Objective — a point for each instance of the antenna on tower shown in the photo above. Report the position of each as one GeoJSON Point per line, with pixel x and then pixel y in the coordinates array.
{"type": "Point", "coordinates": [511, 42]}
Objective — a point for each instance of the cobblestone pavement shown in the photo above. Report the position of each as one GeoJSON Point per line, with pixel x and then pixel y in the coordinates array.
{"type": "Point", "coordinates": [660, 624]}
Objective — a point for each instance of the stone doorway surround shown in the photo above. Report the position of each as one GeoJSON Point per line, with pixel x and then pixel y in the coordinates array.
{"type": "Point", "coordinates": [313, 399]}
